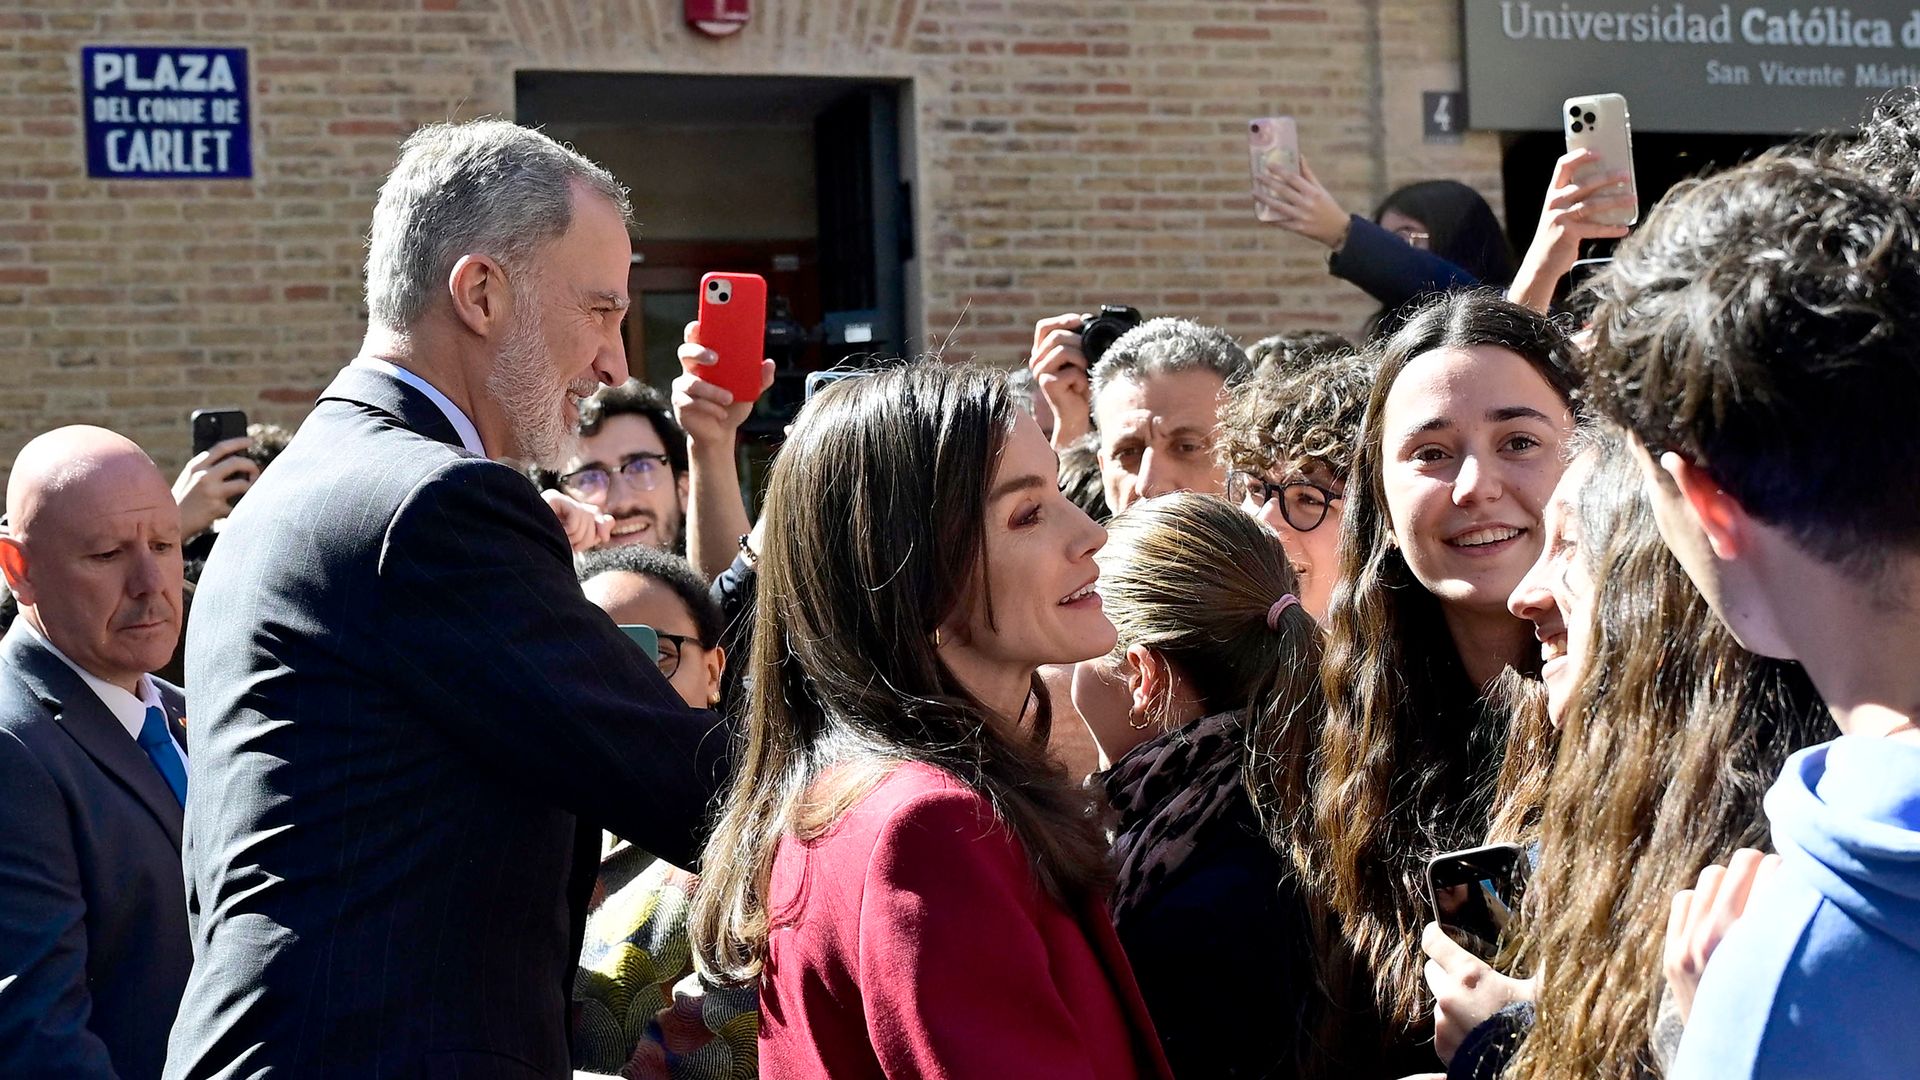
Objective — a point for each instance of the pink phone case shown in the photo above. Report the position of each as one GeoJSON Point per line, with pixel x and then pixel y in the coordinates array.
{"type": "Point", "coordinates": [1273, 145]}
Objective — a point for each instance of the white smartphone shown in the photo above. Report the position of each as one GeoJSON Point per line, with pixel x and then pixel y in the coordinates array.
{"type": "Point", "coordinates": [1273, 145]}
{"type": "Point", "coordinates": [1599, 122]}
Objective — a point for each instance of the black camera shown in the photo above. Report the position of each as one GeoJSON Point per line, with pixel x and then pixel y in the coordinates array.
{"type": "Point", "coordinates": [1098, 334]}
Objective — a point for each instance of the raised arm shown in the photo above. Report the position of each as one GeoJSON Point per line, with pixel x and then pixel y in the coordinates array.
{"type": "Point", "coordinates": [716, 507]}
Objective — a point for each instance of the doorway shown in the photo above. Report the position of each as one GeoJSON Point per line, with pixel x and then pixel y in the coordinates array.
{"type": "Point", "coordinates": [804, 181]}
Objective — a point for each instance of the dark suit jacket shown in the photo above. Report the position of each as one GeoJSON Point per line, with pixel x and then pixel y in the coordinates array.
{"type": "Point", "coordinates": [402, 701]}
{"type": "Point", "coordinates": [93, 916]}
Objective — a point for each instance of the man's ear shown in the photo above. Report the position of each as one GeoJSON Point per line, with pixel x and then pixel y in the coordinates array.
{"type": "Point", "coordinates": [1146, 680]}
{"type": "Point", "coordinates": [680, 485]}
{"type": "Point", "coordinates": [1720, 516]}
{"type": "Point", "coordinates": [478, 287]}
{"type": "Point", "coordinates": [13, 564]}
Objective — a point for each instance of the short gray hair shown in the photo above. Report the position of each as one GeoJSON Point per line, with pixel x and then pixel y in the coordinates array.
{"type": "Point", "coordinates": [486, 187]}
{"type": "Point", "coordinates": [1165, 345]}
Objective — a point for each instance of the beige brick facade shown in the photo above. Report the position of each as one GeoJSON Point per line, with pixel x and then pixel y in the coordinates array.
{"type": "Point", "coordinates": [1065, 152]}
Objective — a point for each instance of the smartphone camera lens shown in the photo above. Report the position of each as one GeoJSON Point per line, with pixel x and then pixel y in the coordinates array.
{"type": "Point", "coordinates": [1589, 119]}
{"type": "Point", "coordinates": [1578, 127]}
{"type": "Point", "coordinates": [713, 286]}
{"type": "Point", "coordinates": [1574, 112]}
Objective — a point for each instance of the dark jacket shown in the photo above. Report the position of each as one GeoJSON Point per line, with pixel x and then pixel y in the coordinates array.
{"type": "Point", "coordinates": [1391, 270]}
{"type": "Point", "coordinates": [93, 916]}
{"type": "Point", "coordinates": [1230, 911]}
{"type": "Point", "coordinates": [403, 702]}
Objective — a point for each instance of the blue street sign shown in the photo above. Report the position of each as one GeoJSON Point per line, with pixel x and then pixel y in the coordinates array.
{"type": "Point", "coordinates": [166, 112]}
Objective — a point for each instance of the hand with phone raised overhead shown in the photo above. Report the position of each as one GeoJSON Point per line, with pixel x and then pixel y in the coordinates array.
{"type": "Point", "coordinates": [1466, 990]}
{"type": "Point", "coordinates": [1301, 204]}
{"type": "Point", "coordinates": [711, 417]}
{"type": "Point", "coordinates": [1578, 206]}
{"type": "Point", "coordinates": [1063, 375]}
{"type": "Point", "coordinates": [210, 482]}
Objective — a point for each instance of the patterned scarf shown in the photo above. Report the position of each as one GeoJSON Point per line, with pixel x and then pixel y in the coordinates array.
{"type": "Point", "coordinates": [1164, 793]}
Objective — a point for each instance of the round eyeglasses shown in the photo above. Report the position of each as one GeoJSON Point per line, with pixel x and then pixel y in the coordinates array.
{"type": "Point", "coordinates": [671, 646]}
{"type": "Point", "coordinates": [644, 470]}
{"type": "Point", "coordinates": [1303, 504]}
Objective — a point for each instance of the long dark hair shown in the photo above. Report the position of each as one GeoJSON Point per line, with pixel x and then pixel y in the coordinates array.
{"type": "Point", "coordinates": [1409, 753]}
{"type": "Point", "coordinates": [1671, 738]}
{"type": "Point", "coordinates": [1461, 227]}
{"type": "Point", "coordinates": [876, 534]}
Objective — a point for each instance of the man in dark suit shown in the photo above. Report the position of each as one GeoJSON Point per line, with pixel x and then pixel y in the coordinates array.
{"type": "Point", "coordinates": [405, 708]}
{"type": "Point", "coordinates": [94, 950]}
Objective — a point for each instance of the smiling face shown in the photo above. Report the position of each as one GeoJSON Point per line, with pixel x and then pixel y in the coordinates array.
{"type": "Point", "coordinates": [564, 340]}
{"type": "Point", "coordinates": [1157, 435]}
{"type": "Point", "coordinates": [1314, 553]}
{"type": "Point", "coordinates": [1040, 576]}
{"type": "Point", "coordinates": [640, 515]}
{"type": "Point", "coordinates": [1471, 450]}
{"type": "Point", "coordinates": [1557, 593]}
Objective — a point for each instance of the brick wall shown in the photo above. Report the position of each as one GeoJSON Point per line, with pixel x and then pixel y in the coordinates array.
{"type": "Point", "coordinates": [1069, 152]}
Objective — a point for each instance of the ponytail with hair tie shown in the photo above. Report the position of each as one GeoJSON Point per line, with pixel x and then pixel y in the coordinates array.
{"type": "Point", "coordinates": [1279, 608]}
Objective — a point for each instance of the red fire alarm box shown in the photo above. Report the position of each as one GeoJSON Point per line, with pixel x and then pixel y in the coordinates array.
{"type": "Point", "coordinates": [719, 17]}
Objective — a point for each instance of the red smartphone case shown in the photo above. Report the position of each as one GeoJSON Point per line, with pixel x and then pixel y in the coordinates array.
{"type": "Point", "coordinates": [733, 323]}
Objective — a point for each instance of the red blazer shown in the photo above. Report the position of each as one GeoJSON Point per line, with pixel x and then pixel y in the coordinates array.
{"type": "Point", "coordinates": [911, 940]}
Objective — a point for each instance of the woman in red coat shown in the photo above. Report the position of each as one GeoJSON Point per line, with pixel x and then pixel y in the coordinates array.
{"type": "Point", "coordinates": [912, 880]}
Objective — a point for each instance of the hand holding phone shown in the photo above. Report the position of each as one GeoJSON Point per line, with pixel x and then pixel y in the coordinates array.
{"type": "Point", "coordinates": [1273, 150]}
{"type": "Point", "coordinates": [210, 426]}
{"type": "Point", "coordinates": [215, 476]}
{"type": "Point", "coordinates": [1599, 123]}
{"type": "Point", "coordinates": [733, 323]}
{"type": "Point", "coordinates": [1466, 991]}
{"type": "Point", "coordinates": [1476, 894]}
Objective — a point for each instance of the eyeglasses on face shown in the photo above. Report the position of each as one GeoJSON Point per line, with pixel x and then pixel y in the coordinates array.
{"type": "Point", "coordinates": [1303, 504]}
{"type": "Point", "coordinates": [644, 470]}
{"type": "Point", "coordinates": [671, 646]}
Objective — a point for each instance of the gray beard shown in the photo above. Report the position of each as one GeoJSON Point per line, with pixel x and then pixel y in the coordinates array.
{"type": "Point", "coordinates": [531, 402]}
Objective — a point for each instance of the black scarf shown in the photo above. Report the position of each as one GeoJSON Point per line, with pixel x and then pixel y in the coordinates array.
{"type": "Point", "coordinates": [1164, 793]}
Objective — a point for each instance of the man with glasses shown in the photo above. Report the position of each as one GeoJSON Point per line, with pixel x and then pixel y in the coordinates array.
{"type": "Point", "coordinates": [631, 466]}
{"type": "Point", "coordinates": [1288, 439]}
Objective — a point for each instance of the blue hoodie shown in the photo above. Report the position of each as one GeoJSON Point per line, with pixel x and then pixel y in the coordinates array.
{"type": "Point", "coordinates": [1821, 976]}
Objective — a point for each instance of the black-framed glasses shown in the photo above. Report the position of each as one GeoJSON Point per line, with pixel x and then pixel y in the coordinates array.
{"type": "Point", "coordinates": [1303, 504]}
{"type": "Point", "coordinates": [670, 649]}
{"type": "Point", "coordinates": [643, 470]}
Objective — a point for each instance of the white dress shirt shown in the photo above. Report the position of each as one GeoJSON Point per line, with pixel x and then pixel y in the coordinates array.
{"type": "Point", "coordinates": [131, 711]}
{"type": "Point", "coordinates": [469, 435]}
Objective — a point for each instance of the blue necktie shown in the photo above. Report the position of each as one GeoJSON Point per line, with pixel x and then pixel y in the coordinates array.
{"type": "Point", "coordinates": [157, 741]}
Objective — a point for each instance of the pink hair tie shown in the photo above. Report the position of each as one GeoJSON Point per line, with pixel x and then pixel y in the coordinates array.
{"type": "Point", "coordinates": [1279, 608]}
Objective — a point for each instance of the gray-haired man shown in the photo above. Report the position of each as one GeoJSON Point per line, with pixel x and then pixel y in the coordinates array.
{"type": "Point", "coordinates": [1157, 396]}
{"type": "Point", "coordinates": [402, 698]}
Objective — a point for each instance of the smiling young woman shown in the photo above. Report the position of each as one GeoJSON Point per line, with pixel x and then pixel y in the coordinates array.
{"type": "Point", "coordinates": [1459, 450]}
{"type": "Point", "coordinates": [911, 879]}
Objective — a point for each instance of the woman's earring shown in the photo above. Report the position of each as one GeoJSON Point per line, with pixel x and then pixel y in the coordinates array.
{"type": "Point", "coordinates": [936, 637]}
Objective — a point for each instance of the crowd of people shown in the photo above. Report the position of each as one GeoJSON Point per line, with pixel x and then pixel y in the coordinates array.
{"type": "Point", "coordinates": [1098, 719]}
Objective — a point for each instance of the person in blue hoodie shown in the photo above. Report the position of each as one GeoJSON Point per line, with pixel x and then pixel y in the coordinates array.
{"type": "Point", "coordinates": [1760, 338]}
